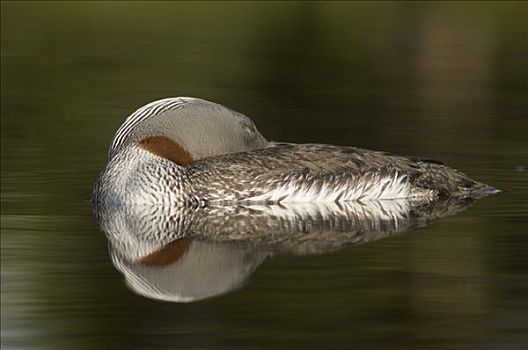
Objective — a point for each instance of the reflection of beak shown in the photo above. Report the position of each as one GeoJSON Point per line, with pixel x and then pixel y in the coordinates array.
{"type": "Point", "coordinates": [187, 270]}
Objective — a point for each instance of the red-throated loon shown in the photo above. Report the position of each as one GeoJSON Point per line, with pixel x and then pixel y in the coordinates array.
{"type": "Point", "coordinates": [188, 151]}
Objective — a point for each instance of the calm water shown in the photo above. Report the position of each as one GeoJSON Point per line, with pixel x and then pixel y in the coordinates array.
{"type": "Point", "coordinates": [446, 81]}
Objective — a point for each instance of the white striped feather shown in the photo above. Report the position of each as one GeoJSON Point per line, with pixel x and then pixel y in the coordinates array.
{"type": "Point", "coordinates": [368, 187]}
{"type": "Point", "coordinates": [144, 113]}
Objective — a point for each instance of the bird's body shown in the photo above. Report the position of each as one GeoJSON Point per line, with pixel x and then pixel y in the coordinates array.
{"type": "Point", "coordinates": [195, 152]}
{"type": "Point", "coordinates": [324, 173]}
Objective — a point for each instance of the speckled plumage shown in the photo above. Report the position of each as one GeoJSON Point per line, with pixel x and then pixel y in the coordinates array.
{"type": "Point", "coordinates": [315, 172]}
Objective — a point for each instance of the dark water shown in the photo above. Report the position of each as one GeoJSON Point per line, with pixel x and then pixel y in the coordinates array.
{"type": "Point", "coordinates": [446, 81]}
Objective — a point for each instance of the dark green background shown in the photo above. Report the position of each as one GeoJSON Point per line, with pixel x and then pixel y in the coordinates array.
{"type": "Point", "coordinates": [443, 80]}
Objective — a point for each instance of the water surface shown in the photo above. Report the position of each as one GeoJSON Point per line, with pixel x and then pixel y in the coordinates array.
{"type": "Point", "coordinates": [446, 81]}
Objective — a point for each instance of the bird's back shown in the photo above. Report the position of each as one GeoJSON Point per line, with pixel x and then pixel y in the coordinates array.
{"type": "Point", "coordinates": [316, 172]}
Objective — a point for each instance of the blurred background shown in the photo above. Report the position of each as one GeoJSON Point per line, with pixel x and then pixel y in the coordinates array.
{"type": "Point", "coordinates": [442, 80]}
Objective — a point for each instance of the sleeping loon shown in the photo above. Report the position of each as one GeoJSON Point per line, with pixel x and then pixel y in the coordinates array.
{"type": "Point", "coordinates": [186, 151]}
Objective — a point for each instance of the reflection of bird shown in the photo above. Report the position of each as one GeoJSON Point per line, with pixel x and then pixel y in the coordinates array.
{"type": "Point", "coordinates": [187, 151]}
{"type": "Point", "coordinates": [185, 254]}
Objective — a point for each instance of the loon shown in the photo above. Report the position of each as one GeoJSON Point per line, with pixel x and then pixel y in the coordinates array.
{"type": "Point", "coordinates": [185, 151]}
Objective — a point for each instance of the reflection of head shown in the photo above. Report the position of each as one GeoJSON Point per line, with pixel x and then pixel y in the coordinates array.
{"type": "Point", "coordinates": [186, 270]}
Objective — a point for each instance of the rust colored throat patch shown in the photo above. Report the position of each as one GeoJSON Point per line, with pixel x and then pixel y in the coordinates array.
{"type": "Point", "coordinates": [164, 147]}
